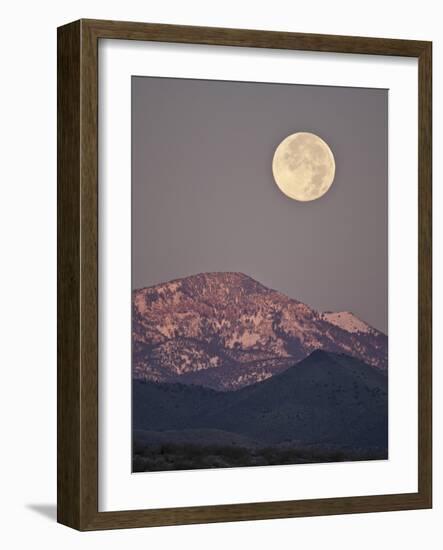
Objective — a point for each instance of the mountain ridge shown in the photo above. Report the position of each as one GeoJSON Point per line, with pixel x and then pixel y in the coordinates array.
{"type": "Point", "coordinates": [226, 330]}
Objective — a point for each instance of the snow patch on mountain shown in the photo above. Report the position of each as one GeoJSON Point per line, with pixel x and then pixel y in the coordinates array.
{"type": "Point", "coordinates": [347, 321]}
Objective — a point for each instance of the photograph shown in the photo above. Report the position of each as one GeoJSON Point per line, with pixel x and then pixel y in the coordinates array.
{"type": "Point", "coordinates": [259, 274]}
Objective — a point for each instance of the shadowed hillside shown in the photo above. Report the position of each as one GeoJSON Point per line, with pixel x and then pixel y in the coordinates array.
{"type": "Point", "coordinates": [327, 407]}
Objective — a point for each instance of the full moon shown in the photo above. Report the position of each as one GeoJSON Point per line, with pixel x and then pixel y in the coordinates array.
{"type": "Point", "coordinates": [303, 166]}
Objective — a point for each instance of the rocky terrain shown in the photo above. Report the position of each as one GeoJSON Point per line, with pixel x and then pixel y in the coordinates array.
{"type": "Point", "coordinates": [226, 331]}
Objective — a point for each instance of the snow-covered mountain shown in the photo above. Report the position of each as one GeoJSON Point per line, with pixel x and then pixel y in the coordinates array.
{"type": "Point", "coordinates": [226, 330]}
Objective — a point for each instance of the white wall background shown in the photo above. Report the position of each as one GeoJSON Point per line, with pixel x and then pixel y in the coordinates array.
{"type": "Point", "coordinates": [28, 274]}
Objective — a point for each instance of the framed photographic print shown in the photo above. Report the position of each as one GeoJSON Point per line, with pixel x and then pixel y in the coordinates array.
{"type": "Point", "coordinates": [244, 275]}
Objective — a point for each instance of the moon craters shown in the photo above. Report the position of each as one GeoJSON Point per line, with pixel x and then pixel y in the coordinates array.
{"type": "Point", "coordinates": [303, 166]}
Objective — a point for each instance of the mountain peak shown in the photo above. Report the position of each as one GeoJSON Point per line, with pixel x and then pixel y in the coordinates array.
{"type": "Point", "coordinates": [321, 354]}
{"type": "Point", "coordinates": [347, 321]}
{"type": "Point", "coordinates": [229, 279]}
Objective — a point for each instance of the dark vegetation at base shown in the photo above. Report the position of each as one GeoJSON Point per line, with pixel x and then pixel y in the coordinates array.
{"type": "Point", "coordinates": [173, 456]}
{"type": "Point", "coordinates": [327, 408]}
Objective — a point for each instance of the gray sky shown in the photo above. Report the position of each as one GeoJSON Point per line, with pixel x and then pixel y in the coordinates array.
{"type": "Point", "coordinates": [204, 198]}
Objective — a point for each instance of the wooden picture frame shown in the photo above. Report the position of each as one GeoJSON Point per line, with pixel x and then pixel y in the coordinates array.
{"type": "Point", "coordinates": [78, 274]}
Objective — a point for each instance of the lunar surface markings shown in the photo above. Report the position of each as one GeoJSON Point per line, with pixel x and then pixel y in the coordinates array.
{"type": "Point", "coordinates": [303, 166]}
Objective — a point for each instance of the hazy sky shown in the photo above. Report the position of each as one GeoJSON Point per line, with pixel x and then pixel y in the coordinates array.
{"type": "Point", "coordinates": [204, 198]}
